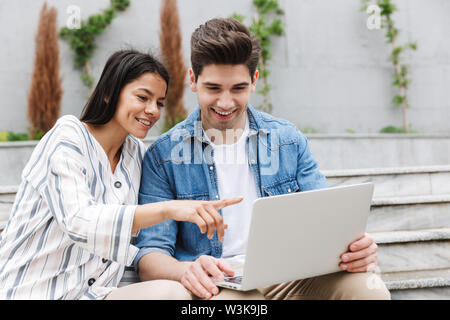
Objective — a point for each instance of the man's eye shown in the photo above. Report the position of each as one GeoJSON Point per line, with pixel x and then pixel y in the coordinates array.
{"type": "Point", "coordinates": [213, 88]}
{"type": "Point", "coordinates": [239, 88]}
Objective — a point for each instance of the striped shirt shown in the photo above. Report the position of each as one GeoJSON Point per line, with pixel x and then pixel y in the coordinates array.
{"type": "Point", "coordinates": [69, 232]}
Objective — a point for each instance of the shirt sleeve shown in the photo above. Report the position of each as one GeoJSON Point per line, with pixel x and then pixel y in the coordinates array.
{"type": "Point", "coordinates": [155, 187]}
{"type": "Point", "coordinates": [309, 176]}
{"type": "Point", "coordinates": [102, 229]}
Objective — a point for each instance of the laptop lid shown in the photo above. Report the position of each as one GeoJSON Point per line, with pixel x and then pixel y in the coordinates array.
{"type": "Point", "coordinates": [302, 235]}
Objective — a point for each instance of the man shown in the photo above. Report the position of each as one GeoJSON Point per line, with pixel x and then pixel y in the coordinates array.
{"type": "Point", "coordinates": [226, 148]}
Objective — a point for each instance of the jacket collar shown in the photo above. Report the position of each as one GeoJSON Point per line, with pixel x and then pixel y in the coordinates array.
{"type": "Point", "coordinates": [193, 124]}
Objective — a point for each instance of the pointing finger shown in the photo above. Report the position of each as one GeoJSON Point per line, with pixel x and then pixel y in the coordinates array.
{"type": "Point", "coordinates": [219, 204]}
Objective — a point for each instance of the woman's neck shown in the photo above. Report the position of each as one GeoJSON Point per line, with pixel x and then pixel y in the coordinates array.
{"type": "Point", "coordinates": [110, 138]}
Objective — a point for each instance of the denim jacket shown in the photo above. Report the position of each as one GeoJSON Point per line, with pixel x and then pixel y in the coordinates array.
{"type": "Point", "coordinates": [179, 165]}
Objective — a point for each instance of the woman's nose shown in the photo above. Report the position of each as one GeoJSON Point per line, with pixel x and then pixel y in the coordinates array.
{"type": "Point", "coordinates": [151, 108]}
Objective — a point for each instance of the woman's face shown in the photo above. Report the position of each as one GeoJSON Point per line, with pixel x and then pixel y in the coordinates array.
{"type": "Point", "coordinates": [140, 104]}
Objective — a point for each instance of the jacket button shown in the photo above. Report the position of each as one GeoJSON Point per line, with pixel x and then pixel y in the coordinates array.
{"type": "Point", "coordinates": [91, 281]}
{"type": "Point", "coordinates": [211, 168]}
{"type": "Point", "coordinates": [104, 260]}
{"type": "Point", "coordinates": [117, 184]}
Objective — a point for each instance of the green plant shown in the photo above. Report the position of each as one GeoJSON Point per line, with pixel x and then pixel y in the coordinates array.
{"type": "Point", "coordinates": [12, 136]}
{"type": "Point", "coordinates": [309, 130]}
{"type": "Point", "coordinates": [82, 40]}
{"type": "Point", "coordinates": [170, 123]}
{"type": "Point", "coordinates": [265, 25]}
{"type": "Point", "coordinates": [3, 136]}
{"type": "Point", "coordinates": [20, 136]}
{"type": "Point", "coordinates": [387, 8]}
{"type": "Point", "coordinates": [393, 129]}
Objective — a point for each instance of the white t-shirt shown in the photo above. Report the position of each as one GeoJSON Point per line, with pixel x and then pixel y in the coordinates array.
{"type": "Point", "coordinates": [235, 179]}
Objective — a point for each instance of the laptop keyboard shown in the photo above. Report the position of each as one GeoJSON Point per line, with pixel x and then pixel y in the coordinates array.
{"type": "Point", "coordinates": [236, 280]}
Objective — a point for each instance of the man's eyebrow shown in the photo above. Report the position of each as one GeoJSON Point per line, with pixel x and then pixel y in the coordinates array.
{"type": "Point", "coordinates": [242, 84]}
{"type": "Point", "coordinates": [218, 85]}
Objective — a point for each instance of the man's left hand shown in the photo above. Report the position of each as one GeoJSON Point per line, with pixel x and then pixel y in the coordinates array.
{"type": "Point", "coordinates": [361, 257]}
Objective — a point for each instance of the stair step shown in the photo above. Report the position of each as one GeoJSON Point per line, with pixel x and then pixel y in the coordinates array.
{"type": "Point", "coordinates": [436, 293]}
{"type": "Point", "coordinates": [411, 236]}
{"type": "Point", "coordinates": [417, 279]}
{"type": "Point", "coordinates": [8, 194]}
{"type": "Point", "coordinates": [413, 250]}
{"type": "Point", "coordinates": [409, 213]}
{"type": "Point", "coordinates": [403, 181]}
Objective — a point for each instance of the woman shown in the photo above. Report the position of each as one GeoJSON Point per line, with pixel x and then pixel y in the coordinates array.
{"type": "Point", "coordinates": [69, 233]}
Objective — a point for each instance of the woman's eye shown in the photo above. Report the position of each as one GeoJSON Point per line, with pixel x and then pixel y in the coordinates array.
{"type": "Point", "coordinates": [160, 104]}
{"type": "Point", "coordinates": [142, 98]}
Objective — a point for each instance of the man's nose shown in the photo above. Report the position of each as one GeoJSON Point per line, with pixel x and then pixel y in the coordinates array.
{"type": "Point", "coordinates": [225, 100]}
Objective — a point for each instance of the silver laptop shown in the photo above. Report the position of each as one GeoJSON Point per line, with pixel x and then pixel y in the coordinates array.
{"type": "Point", "coordinates": [301, 235]}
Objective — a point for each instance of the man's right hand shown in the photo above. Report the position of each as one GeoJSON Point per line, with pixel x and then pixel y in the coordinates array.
{"type": "Point", "coordinates": [197, 279]}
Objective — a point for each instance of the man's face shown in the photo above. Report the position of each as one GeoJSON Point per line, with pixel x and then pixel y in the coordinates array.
{"type": "Point", "coordinates": [223, 93]}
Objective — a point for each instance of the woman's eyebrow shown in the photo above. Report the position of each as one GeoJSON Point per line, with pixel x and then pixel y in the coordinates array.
{"type": "Point", "coordinates": [147, 91]}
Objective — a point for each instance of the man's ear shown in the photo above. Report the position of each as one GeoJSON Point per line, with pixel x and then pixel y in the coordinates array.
{"type": "Point", "coordinates": [255, 80]}
{"type": "Point", "coordinates": [193, 83]}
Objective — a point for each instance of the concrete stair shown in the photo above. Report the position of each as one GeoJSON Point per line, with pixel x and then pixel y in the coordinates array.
{"type": "Point", "coordinates": [7, 195]}
{"type": "Point", "coordinates": [409, 220]}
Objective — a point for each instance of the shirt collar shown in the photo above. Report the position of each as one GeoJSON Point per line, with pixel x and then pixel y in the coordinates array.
{"type": "Point", "coordinates": [193, 124]}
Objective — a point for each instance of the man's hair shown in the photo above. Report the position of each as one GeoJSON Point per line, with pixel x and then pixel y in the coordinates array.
{"type": "Point", "coordinates": [224, 41]}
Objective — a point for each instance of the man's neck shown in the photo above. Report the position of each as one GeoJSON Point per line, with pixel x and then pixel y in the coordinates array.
{"type": "Point", "coordinates": [226, 136]}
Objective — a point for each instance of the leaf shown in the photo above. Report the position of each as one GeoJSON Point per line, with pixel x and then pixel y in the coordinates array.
{"type": "Point", "coordinates": [238, 17]}
{"type": "Point", "coordinates": [413, 46]}
{"type": "Point", "coordinates": [398, 100]}
{"type": "Point", "coordinates": [392, 129]}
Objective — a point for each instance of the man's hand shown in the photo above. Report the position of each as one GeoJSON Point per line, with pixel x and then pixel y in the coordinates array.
{"type": "Point", "coordinates": [197, 277]}
{"type": "Point", "coordinates": [361, 257]}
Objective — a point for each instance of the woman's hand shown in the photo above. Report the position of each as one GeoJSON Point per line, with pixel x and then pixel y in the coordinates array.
{"type": "Point", "coordinates": [205, 214]}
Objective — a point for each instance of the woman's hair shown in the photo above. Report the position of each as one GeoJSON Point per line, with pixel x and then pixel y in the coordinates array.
{"type": "Point", "coordinates": [122, 67]}
{"type": "Point", "coordinates": [224, 41]}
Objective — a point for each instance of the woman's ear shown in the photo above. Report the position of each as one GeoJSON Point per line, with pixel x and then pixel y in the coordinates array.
{"type": "Point", "coordinates": [193, 82]}
{"type": "Point", "coordinates": [106, 100]}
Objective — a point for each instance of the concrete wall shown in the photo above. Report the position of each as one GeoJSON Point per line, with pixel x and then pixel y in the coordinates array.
{"type": "Point", "coordinates": [330, 72]}
{"type": "Point", "coordinates": [332, 152]}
